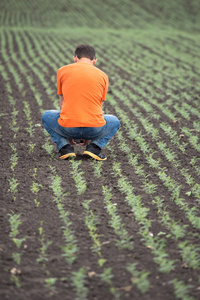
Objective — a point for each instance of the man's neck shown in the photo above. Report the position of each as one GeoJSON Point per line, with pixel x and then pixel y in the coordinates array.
{"type": "Point", "coordinates": [84, 59]}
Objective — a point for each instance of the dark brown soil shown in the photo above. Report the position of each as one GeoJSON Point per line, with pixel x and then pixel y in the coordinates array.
{"type": "Point", "coordinates": [31, 274]}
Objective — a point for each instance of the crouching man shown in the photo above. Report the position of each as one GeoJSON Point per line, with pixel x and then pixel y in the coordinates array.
{"type": "Point", "coordinates": [82, 88]}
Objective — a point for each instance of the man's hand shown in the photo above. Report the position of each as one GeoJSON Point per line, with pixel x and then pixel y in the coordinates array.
{"type": "Point", "coordinates": [82, 143]}
{"type": "Point", "coordinates": [72, 142]}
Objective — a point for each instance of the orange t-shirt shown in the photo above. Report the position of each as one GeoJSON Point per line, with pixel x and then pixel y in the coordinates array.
{"type": "Point", "coordinates": [83, 87]}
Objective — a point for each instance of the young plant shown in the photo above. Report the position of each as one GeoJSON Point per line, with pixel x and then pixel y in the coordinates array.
{"type": "Point", "coordinates": [16, 256]}
{"type": "Point", "coordinates": [14, 157]}
{"type": "Point", "coordinates": [13, 182]}
{"type": "Point", "coordinates": [97, 168]}
{"type": "Point", "coordinates": [14, 221]}
{"type": "Point", "coordinates": [78, 280]}
{"type": "Point", "coordinates": [50, 284]}
{"type": "Point", "coordinates": [70, 248]}
{"type": "Point", "coordinates": [91, 222]}
{"type": "Point", "coordinates": [124, 240]}
{"type": "Point", "coordinates": [106, 277]}
{"type": "Point", "coordinates": [78, 177]}
{"type": "Point", "coordinates": [181, 289]}
{"type": "Point", "coordinates": [44, 245]}
{"type": "Point", "coordinates": [35, 188]}
{"type": "Point", "coordinates": [139, 278]}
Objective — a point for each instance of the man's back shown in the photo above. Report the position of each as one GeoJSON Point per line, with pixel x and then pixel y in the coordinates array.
{"type": "Point", "coordinates": [83, 87]}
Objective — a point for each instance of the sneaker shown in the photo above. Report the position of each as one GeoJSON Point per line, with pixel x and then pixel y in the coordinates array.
{"type": "Point", "coordinates": [67, 152]}
{"type": "Point", "coordinates": [94, 151]}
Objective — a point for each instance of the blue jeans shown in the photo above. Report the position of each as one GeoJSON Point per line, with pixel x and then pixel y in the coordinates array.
{"type": "Point", "coordinates": [60, 135]}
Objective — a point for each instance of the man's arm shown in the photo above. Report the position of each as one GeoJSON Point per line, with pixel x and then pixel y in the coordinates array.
{"type": "Point", "coordinates": [61, 101]}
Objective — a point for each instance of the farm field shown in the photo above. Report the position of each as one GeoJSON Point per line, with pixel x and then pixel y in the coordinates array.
{"type": "Point", "coordinates": [125, 228]}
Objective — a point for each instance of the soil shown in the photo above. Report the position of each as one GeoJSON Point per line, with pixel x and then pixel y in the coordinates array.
{"type": "Point", "coordinates": [31, 274]}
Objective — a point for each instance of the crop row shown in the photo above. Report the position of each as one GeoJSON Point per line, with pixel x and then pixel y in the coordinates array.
{"type": "Point", "coordinates": [132, 14]}
{"type": "Point", "coordinates": [157, 245]}
{"type": "Point", "coordinates": [166, 152]}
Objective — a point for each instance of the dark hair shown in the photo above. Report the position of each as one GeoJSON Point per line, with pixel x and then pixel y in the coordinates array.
{"type": "Point", "coordinates": [85, 51]}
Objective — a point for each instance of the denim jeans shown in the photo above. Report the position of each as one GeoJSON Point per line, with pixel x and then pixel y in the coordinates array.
{"type": "Point", "coordinates": [60, 135]}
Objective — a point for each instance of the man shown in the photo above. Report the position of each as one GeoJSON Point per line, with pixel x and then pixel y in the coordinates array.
{"type": "Point", "coordinates": [82, 88]}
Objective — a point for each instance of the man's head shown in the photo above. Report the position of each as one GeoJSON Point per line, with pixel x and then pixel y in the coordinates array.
{"type": "Point", "coordinates": [83, 52]}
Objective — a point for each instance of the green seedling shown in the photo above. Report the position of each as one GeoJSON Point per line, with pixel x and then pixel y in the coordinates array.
{"type": "Point", "coordinates": [78, 280]}
{"type": "Point", "coordinates": [44, 245]}
{"type": "Point", "coordinates": [50, 283]}
{"type": "Point", "coordinates": [107, 277]}
{"type": "Point", "coordinates": [16, 257]}
{"type": "Point", "coordinates": [78, 177]}
{"type": "Point", "coordinates": [13, 183]}
{"type": "Point", "coordinates": [139, 278]}
{"type": "Point", "coordinates": [181, 289]}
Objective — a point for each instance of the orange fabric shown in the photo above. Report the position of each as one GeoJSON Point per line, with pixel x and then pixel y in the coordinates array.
{"type": "Point", "coordinates": [83, 87]}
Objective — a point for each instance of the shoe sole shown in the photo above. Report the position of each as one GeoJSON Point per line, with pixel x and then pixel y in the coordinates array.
{"type": "Point", "coordinates": [68, 155]}
{"type": "Point", "coordinates": [93, 155]}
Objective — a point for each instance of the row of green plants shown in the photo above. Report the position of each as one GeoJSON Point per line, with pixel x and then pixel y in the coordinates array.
{"type": "Point", "coordinates": [152, 188]}
{"type": "Point", "coordinates": [13, 218]}
{"type": "Point", "coordinates": [188, 250]}
{"type": "Point", "coordinates": [43, 259]}
{"type": "Point", "coordinates": [100, 15]}
{"type": "Point", "coordinates": [139, 278]}
{"type": "Point", "coordinates": [15, 222]}
{"type": "Point", "coordinates": [157, 244]}
{"type": "Point", "coordinates": [149, 126]}
{"type": "Point", "coordinates": [69, 255]}
{"type": "Point", "coordinates": [150, 85]}
{"type": "Point", "coordinates": [70, 248]}
{"type": "Point", "coordinates": [124, 240]}
{"type": "Point", "coordinates": [78, 177]}
{"type": "Point", "coordinates": [91, 223]}
{"type": "Point", "coordinates": [155, 69]}
{"type": "Point", "coordinates": [173, 186]}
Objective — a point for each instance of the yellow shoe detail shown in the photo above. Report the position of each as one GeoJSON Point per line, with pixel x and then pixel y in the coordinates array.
{"type": "Point", "coordinates": [68, 155]}
{"type": "Point", "coordinates": [93, 155]}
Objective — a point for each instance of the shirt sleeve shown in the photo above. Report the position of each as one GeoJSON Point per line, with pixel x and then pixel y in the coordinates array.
{"type": "Point", "coordinates": [105, 88]}
{"type": "Point", "coordinates": [59, 86]}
